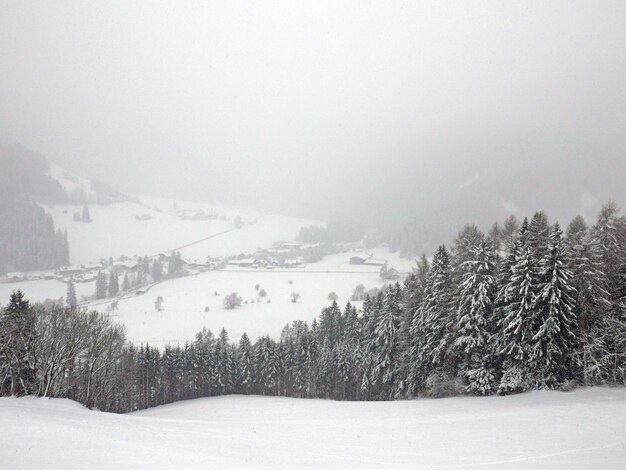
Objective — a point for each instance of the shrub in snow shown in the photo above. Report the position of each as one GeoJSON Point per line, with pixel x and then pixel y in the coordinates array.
{"type": "Point", "coordinates": [440, 384]}
{"type": "Point", "coordinates": [513, 380]}
{"type": "Point", "coordinates": [262, 293]}
{"type": "Point", "coordinates": [232, 301]}
{"type": "Point", "coordinates": [358, 294]}
{"type": "Point", "coordinates": [206, 309]}
{"type": "Point", "coordinates": [333, 296]}
{"type": "Point", "coordinates": [295, 297]}
{"type": "Point", "coordinates": [568, 386]}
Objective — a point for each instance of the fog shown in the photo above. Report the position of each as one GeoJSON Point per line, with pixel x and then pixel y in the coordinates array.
{"type": "Point", "coordinates": [381, 111]}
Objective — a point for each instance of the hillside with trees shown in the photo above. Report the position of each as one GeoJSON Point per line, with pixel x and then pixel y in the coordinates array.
{"type": "Point", "coordinates": [540, 308]}
{"type": "Point", "coordinates": [28, 239]}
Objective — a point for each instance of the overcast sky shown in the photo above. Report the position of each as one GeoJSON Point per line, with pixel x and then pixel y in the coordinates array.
{"type": "Point", "coordinates": [315, 105]}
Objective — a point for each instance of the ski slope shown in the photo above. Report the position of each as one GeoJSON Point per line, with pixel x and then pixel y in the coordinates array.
{"type": "Point", "coordinates": [583, 429]}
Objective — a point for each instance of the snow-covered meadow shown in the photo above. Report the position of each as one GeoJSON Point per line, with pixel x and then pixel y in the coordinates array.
{"type": "Point", "coordinates": [186, 299]}
{"type": "Point", "coordinates": [583, 429]}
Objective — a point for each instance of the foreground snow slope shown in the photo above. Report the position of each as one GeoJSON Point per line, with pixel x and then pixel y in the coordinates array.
{"type": "Point", "coordinates": [582, 429]}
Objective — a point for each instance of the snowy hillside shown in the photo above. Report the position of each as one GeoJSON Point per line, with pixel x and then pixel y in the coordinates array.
{"type": "Point", "coordinates": [157, 225]}
{"type": "Point", "coordinates": [540, 430]}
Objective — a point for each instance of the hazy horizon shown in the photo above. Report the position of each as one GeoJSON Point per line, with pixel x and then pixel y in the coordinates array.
{"type": "Point", "coordinates": [381, 112]}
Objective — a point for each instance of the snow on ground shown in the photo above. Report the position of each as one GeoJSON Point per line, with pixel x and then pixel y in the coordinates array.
{"type": "Point", "coordinates": [541, 430]}
{"type": "Point", "coordinates": [185, 299]}
{"type": "Point", "coordinates": [115, 230]}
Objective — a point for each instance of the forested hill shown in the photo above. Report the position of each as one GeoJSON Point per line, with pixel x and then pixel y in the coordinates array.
{"type": "Point", "coordinates": [28, 239]}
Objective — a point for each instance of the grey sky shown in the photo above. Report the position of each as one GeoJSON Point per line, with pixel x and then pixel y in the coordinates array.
{"type": "Point", "coordinates": [317, 106]}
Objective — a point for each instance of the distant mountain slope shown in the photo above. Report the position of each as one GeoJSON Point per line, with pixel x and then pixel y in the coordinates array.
{"type": "Point", "coordinates": [28, 239]}
{"type": "Point", "coordinates": [495, 190]}
{"type": "Point", "coordinates": [150, 226]}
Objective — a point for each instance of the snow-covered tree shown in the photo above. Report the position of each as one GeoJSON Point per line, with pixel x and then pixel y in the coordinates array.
{"type": "Point", "coordinates": [430, 339]}
{"type": "Point", "coordinates": [554, 342]}
{"type": "Point", "coordinates": [474, 320]}
{"type": "Point", "coordinates": [70, 296]}
{"type": "Point", "coordinates": [17, 344]}
{"type": "Point", "coordinates": [246, 365]}
{"type": "Point", "coordinates": [592, 305]}
{"type": "Point", "coordinates": [385, 346]}
{"type": "Point", "coordinates": [102, 286]}
{"type": "Point", "coordinates": [516, 316]}
{"type": "Point", "coordinates": [114, 285]}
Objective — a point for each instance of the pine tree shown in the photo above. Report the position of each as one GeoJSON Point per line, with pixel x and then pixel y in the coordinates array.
{"type": "Point", "coordinates": [386, 339]}
{"type": "Point", "coordinates": [245, 365]}
{"type": "Point", "coordinates": [70, 297]}
{"type": "Point", "coordinates": [516, 316]}
{"type": "Point", "coordinates": [157, 271]}
{"type": "Point", "coordinates": [114, 286]}
{"type": "Point", "coordinates": [474, 320]}
{"type": "Point", "coordinates": [17, 347]}
{"type": "Point", "coordinates": [609, 234]}
{"type": "Point", "coordinates": [510, 229]}
{"type": "Point", "coordinates": [593, 304]}
{"type": "Point", "coordinates": [538, 235]}
{"type": "Point", "coordinates": [86, 216]}
{"type": "Point", "coordinates": [225, 363]}
{"type": "Point", "coordinates": [126, 283]}
{"type": "Point", "coordinates": [174, 265]}
{"type": "Point", "coordinates": [101, 286]}
{"type": "Point", "coordinates": [429, 328]}
{"type": "Point", "coordinates": [554, 342]}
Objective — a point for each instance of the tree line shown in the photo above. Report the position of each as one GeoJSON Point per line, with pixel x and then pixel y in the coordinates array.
{"type": "Point", "coordinates": [497, 313]}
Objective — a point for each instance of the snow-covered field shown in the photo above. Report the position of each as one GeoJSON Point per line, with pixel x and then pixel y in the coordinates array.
{"type": "Point", "coordinates": [38, 291]}
{"type": "Point", "coordinates": [584, 429]}
{"type": "Point", "coordinates": [185, 300]}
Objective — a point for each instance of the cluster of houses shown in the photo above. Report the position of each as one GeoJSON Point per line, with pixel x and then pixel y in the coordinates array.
{"type": "Point", "coordinates": [89, 272]}
{"type": "Point", "coordinates": [80, 273]}
{"type": "Point", "coordinates": [283, 254]}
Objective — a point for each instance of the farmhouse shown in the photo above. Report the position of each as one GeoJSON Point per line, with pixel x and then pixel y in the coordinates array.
{"type": "Point", "coordinates": [123, 267]}
{"type": "Point", "coordinates": [243, 263]}
{"type": "Point", "coordinates": [359, 259]}
{"type": "Point", "coordinates": [16, 277]}
{"type": "Point", "coordinates": [69, 270]}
